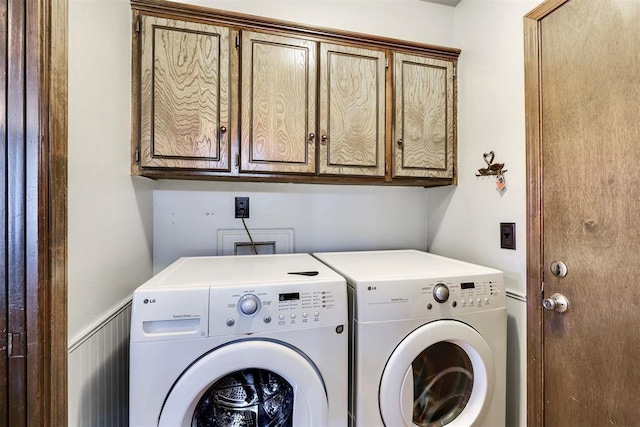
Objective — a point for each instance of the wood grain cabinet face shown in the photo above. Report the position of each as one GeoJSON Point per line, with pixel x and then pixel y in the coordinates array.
{"type": "Point", "coordinates": [424, 121]}
{"type": "Point", "coordinates": [352, 111]}
{"type": "Point", "coordinates": [278, 109]}
{"type": "Point", "coordinates": [228, 96]}
{"type": "Point", "coordinates": [184, 95]}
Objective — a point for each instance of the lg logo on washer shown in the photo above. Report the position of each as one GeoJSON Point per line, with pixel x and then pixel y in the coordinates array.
{"type": "Point", "coordinates": [372, 288]}
{"type": "Point", "coordinates": [149, 301]}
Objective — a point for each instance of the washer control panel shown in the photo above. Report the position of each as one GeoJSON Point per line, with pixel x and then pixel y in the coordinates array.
{"type": "Point", "coordinates": [245, 310]}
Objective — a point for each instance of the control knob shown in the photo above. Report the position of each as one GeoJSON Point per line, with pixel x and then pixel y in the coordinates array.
{"type": "Point", "coordinates": [248, 304]}
{"type": "Point", "coordinates": [441, 293]}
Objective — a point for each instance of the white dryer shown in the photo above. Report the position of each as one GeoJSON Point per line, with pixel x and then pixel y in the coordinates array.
{"type": "Point", "coordinates": [429, 339]}
{"type": "Point", "coordinates": [240, 341]}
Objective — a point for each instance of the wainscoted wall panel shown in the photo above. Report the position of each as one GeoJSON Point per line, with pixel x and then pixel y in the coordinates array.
{"type": "Point", "coordinates": [99, 372]}
{"type": "Point", "coordinates": [516, 359]}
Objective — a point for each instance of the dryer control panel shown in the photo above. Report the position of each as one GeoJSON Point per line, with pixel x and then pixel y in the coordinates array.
{"type": "Point", "coordinates": [428, 297]}
{"type": "Point", "coordinates": [237, 310]}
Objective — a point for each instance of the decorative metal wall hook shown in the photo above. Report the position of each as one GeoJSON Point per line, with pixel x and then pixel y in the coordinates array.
{"type": "Point", "coordinates": [492, 169]}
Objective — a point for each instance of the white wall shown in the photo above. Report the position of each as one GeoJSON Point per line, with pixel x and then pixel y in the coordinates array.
{"type": "Point", "coordinates": [110, 213]}
{"type": "Point", "coordinates": [464, 221]}
{"type": "Point", "coordinates": [324, 218]}
{"type": "Point", "coordinates": [404, 19]}
{"type": "Point", "coordinates": [187, 215]}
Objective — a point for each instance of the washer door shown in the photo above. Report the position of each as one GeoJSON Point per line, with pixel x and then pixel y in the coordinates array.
{"type": "Point", "coordinates": [248, 383]}
{"type": "Point", "coordinates": [442, 373]}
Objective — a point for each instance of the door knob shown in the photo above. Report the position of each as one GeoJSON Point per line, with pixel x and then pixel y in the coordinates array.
{"type": "Point", "coordinates": [557, 302]}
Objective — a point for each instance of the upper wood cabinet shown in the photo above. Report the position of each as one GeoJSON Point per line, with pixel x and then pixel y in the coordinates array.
{"type": "Point", "coordinates": [221, 95]}
{"type": "Point", "coordinates": [184, 94]}
{"type": "Point", "coordinates": [424, 117]}
{"type": "Point", "coordinates": [352, 110]}
{"type": "Point", "coordinates": [279, 107]}
{"type": "Point", "coordinates": [278, 104]}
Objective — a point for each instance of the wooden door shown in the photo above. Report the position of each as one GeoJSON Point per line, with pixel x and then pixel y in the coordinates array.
{"type": "Point", "coordinates": [424, 117]}
{"type": "Point", "coordinates": [585, 161]}
{"type": "Point", "coordinates": [278, 104]}
{"type": "Point", "coordinates": [184, 101]}
{"type": "Point", "coordinates": [352, 111]}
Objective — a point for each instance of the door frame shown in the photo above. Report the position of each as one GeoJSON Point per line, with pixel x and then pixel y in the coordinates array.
{"type": "Point", "coordinates": [533, 127]}
{"type": "Point", "coordinates": [45, 226]}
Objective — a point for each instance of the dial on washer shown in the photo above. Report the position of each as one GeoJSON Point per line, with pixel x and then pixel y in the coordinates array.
{"type": "Point", "coordinates": [248, 304]}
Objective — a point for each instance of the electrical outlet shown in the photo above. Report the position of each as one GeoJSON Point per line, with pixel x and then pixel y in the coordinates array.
{"type": "Point", "coordinates": [242, 207]}
{"type": "Point", "coordinates": [508, 235]}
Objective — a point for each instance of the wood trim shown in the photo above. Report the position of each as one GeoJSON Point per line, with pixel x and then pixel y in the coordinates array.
{"type": "Point", "coordinates": [56, 395]}
{"type": "Point", "coordinates": [16, 214]}
{"type": "Point", "coordinates": [248, 22]}
{"type": "Point", "coordinates": [535, 404]}
{"type": "Point", "coordinates": [533, 126]}
{"type": "Point", "coordinates": [46, 229]}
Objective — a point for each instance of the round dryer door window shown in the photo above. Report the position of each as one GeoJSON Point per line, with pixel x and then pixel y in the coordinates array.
{"type": "Point", "coordinates": [248, 383]}
{"type": "Point", "coordinates": [440, 374]}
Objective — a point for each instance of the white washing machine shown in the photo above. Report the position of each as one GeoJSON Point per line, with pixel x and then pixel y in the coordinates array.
{"type": "Point", "coordinates": [240, 341]}
{"type": "Point", "coordinates": [429, 339]}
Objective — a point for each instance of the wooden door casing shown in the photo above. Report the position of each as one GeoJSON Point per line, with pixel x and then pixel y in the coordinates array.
{"type": "Point", "coordinates": [582, 134]}
{"type": "Point", "coordinates": [278, 110]}
{"type": "Point", "coordinates": [184, 85]}
{"type": "Point", "coordinates": [352, 111]}
{"type": "Point", "coordinates": [33, 321]}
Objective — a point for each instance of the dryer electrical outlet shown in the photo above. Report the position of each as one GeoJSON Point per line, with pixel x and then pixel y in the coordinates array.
{"type": "Point", "coordinates": [508, 235]}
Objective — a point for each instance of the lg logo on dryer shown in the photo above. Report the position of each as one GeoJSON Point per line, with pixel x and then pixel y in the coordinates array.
{"type": "Point", "coordinates": [372, 288]}
{"type": "Point", "coordinates": [149, 301]}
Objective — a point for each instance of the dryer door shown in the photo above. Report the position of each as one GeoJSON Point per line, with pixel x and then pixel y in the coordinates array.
{"type": "Point", "coordinates": [440, 374]}
{"type": "Point", "coordinates": [248, 383]}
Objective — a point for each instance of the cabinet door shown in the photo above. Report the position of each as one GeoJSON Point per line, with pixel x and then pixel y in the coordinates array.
{"type": "Point", "coordinates": [424, 118]}
{"type": "Point", "coordinates": [184, 104]}
{"type": "Point", "coordinates": [278, 104]}
{"type": "Point", "coordinates": [352, 111]}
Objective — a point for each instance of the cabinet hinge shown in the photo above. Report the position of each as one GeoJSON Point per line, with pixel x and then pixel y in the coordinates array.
{"type": "Point", "coordinates": [16, 345]}
{"type": "Point", "coordinates": [386, 63]}
{"type": "Point", "coordinates": [138, 25]}
{"type": "Point", "coordinates": [238, 41]}
{"type": "Point", "coordinates": [386, 167]}
{"type": "Point", "coordinates": [237, 161]}
{"type": "Point", "coordinates": [454, 73]}
{"type": "Point", "coordinates": [137, 155]}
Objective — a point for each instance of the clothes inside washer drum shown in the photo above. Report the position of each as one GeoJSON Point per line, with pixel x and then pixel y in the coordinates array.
{"type": "Point", "coordinates": [247, 398]}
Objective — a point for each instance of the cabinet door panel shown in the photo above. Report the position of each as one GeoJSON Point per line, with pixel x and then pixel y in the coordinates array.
{"type": "Point", "coordinates": [352, 111]}
{"type": "Point", "coordinates": [278, 104]}
{"type": "Point", "coordinates": [424, 120]}
{"type": "Point", "coordinates": [184, 94]}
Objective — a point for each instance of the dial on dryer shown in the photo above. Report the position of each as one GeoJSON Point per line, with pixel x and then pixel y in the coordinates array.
{"type": "Point", "coordinates": [441, 293]}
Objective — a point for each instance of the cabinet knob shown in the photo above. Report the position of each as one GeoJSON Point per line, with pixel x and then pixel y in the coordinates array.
{"type": "Point", "coordinates": [223, 129]}
{"type": "Point", "coordinates": [312, 136]}
{"type": "Point", "coordinates": [323, 139]}
{"type": "Point", "coordinates": [400, 142]}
